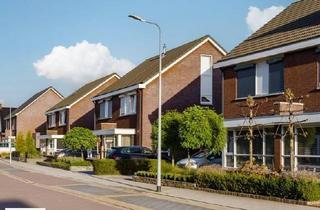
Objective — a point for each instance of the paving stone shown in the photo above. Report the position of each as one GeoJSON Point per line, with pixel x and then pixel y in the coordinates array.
{"type": "Point", "coordinates": [157, 204]}
{"type": "Point", "coordinates": [95, 190]}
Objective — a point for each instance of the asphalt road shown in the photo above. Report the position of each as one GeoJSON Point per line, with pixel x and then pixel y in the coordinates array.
{"type": "Point", "coordinates": [22, 189]}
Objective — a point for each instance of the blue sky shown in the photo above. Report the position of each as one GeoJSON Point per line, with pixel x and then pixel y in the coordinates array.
{"type": "Point", "coordinates": [31, 29]}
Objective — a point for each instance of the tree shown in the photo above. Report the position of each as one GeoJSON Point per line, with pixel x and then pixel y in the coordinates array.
{"type": "Point", "coordinates": [79, 138]}
{"type": "Point", "coordinates": [30, 146]}
{"type": "Point", "coordinates": [202, 128]}
{"type": "Point", "coordinates": [170, 137]}
{"type": "Point", "coordinates": [20, 144]}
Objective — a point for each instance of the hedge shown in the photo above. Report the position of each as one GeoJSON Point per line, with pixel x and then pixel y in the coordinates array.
{"type": "Point", "coordinates": [128, 166]}
{"type": "Point", "coordinates": [61, 165]}
{"type": "Point", "coordinates": [268, 185]}
{"type": "Point", "coordinates": [74, 161]}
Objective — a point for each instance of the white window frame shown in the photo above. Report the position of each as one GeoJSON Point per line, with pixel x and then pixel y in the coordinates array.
{"type": "Point", "coordinates": [52, 120]}
{"type": "Point", "coordinates": [206, 75]}
{"type": "Point", "coordinates": [262, 75]}
{"type": "Point", "coordinates": [106, 103]}
{"type": "Point", "coordinates": [64, 114]}
{"type": "Point", "coordinates": [124, 104]}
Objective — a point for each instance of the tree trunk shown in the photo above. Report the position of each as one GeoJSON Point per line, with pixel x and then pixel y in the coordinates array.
{"type": "Point", "coordinates": [292, 149]}
{"type": "Point", "coordinates": [82, 155]}
{"type": "Point", "coordinates": [173, 158]}
{"type": "Point", "coordinates": [188, 164]}
{"type": "Point", "coordinates": [250, 152]}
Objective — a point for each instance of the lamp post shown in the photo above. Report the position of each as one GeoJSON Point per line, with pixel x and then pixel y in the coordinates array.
{"type": "Point", "coordinates": [159, 100]}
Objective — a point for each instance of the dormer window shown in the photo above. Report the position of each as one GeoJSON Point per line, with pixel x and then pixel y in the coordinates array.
{"type": "Point", "coordinates": [105, 109]}
{"type": "Point", "coordinates": [62, 118]}
{"type": "Point", "coordinates": [128, 104]}
{"type": "Point", "coordinates": [52, 120]}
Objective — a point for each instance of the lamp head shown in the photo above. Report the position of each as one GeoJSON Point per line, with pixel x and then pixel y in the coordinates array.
{"type": "Point", "coordinates": [136, 18]}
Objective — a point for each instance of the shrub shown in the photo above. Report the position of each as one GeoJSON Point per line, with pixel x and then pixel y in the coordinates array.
{"type": "Point", "coordinates": [60, 165]}
{"type": "Point", "coordinates": [105, 167]}
{"type": "Point", "coordinates": [130, 166]}
{"type": "Point", "coordinates": [282, 186]}
{"type": "Point", "coordinates": [4, 154]}
{"type": "Point", "coordinates": [74, 161]}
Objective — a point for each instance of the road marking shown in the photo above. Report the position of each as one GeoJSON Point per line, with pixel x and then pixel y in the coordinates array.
{"type": "Point", "coordinates": [27, 181]}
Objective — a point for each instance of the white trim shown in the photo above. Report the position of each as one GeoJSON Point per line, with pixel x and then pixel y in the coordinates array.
{"type": "Point", "coordinates": [58, 110]}
{"type": "Point", "coordinates": [313, 117]}
{"type": "Point", "coordinates": [51, 88]}
{"type": "Point", "coordinates": [185, 55]}
{"type": "Point", "coordinates": [120, 91]}
{"type": "Point", "coordinates": [51, 136]}
{"type": "Point", "coordinates": [115, 131]}
{"type": "Point", "coordinates": [271, 52]}
{"type": "Point", "coordinates": [85, 95]}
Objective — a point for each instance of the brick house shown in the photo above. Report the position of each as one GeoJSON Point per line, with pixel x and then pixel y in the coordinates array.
{"type": "Point", "coordinates": [126, 110]}
{"type": "Point", "coordinates": [4, 111]}
{"type": "Point", "coordinates": [76, 110]}
{"type": "Point", "coordinates": [30, 115]}
{"type": "Point", "coordinates": [283, 54]}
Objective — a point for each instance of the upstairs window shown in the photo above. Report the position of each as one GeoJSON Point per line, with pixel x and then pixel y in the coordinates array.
{"type": "Point", "coordinates": [52, 120]}
{"type": "Point", "coordinates": [246, 82]}
{"type": "Point", "coordinates": [62, 118]}
{"type": "Point", "coordinates": [128, 104]}
{"type": "Point", "coordinates": [318, 69]}
{"type": "Point", "coordinates": [105, 110]}
{"type": "Point", "coordinates": [206, 79]}
{"type": "Point", "coordinates": [263, 78]}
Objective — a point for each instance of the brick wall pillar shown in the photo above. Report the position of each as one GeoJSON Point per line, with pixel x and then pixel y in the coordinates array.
{"type": "Point", "coordinates": [277, 151]}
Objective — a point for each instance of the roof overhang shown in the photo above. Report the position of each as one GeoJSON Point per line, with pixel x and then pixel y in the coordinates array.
{"type": "Point", "coordinates": [273, 120]}
{"type": "Point", "coordinates": [55, 136]}
{"type": "Point", "coordinates": [120, 91]}
{"type": "Point", "coordinates": [115, 131]}
{"type": "Point", "coordinates": [269, 53]}
{"type": "Point", "coordinates": [57, 110]}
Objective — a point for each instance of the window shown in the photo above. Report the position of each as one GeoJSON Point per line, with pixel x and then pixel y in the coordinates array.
{"type": "Point", "coordinates": [105, 109]}
{"type": "Point", "coordinates": [260, 79]}
{"type": "Point", "coordinates": [246, 82]}
{"type": "Point", "coordinates": [52, 120]}
{"type": "Point", "coordinates": [128, 104]}
{"type": "Point", "coordinates": [62, 117]}
{"type": "Point", "coordinates": [206, 79]}
{"type": "Point", "coordinates": [276, 77]}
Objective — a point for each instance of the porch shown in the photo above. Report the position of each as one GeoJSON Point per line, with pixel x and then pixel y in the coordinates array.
{"type": "Point", "coordinates": [50, 144]}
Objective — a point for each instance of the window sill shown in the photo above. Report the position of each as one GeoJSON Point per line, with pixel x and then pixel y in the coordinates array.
{"type": "Point", "coordinates": [261, 96]}
{"type": "Point", "coordinates": [124, 115]}
{"type": "Point", "coordinates": [60, 125]}
{"type": "Point", "coordinates": [104, 118]}
{"type": "Point", "coordinates": [52, 126]}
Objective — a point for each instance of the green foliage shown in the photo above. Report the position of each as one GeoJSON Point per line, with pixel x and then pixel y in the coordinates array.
{"type": "Point", "coordinates": [30, 146]}
{"type": "Point", "coordinates": [130, 166]}
{"type": "Point", "coordinates": [105, 167]}
{"type": "Point", "coordinates": [202, 128]}
{"type": "Point", "coordinates": [170, 124]}
{"type": "Point", "coordinates": [61, 165]}
{"type": "Point", "coordinates": [74, 161]}
{"type": "Point", "coordinates": [4, 154]}
{"type": "Point", "coordinates": [297, 188]}
{"type": "Point", "coordinates": [80, 139]}
{"type": "Point", "coordinates": [20, 144]}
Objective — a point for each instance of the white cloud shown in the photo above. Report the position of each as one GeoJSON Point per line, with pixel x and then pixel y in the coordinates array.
{"type": "Point", "coordinates": [258, 17]}
{"type": "Point", "coordinates": [81, 62]}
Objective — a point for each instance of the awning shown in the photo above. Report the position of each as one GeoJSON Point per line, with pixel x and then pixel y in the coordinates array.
{"type": "Point", "coordinates": [115, 131]}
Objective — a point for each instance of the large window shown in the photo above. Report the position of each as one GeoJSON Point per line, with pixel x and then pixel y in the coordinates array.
{"type": "Point", "coordinates": [62, 118]}
{"type": "Point", "coordinates": [105, 109]}
{"type": "Point", "coordinates": [206, 79]}
{"type": "Point", "coordinates": [260, 79]}
{"type": "Point", "coordinates": [52, 120]}
{"type": "Point", "coordinates": [237, 151]}
{"type": "Point", "coordinates": [128, 104]}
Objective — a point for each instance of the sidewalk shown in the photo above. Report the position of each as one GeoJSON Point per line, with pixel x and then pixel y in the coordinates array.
{"type": "Point", "coordinates": [190, 195]}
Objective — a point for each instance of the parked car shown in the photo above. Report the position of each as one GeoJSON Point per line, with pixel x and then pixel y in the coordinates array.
{"type": "Point", "coordinates": [130, 152]}
{"type": "Point", "coordinates": [68, 153]}
{"type": "Point", "coordinates": [200, 159]}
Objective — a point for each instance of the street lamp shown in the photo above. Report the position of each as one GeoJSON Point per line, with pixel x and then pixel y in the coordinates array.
{"type": "Point", "coordinates": [159, 100]}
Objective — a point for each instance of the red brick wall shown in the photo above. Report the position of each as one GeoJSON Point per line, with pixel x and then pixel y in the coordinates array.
{"type": "Point", "coordinates": [181, 89]}
{"type": "Point", "coordinates": [81, 114]}
{"type": "Point", "coordinates": [300, 75]}
{"type": "Point", "coordinates": [33, 118]}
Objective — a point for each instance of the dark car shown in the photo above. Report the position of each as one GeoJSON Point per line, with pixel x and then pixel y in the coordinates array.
{"type": "Point", "coordinates": [131, 152]}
